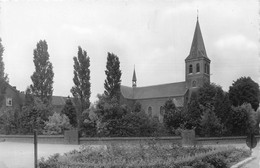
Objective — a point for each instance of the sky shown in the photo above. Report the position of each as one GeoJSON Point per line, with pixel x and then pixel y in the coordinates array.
{"type": "Point", "coordinates": [154, 36]}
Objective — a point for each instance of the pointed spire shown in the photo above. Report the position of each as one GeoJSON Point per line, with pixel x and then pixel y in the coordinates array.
{"type": "Point", "coordinates": [134, 79]}
{"type": "Point", "coordinates": [197, 46]}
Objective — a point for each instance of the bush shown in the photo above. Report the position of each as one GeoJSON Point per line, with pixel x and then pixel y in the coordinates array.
{"type": "Point", "coordinates": [210, 124]}
{"type": "Point", "coordinates": [149, 155]}
{"type": "Point", "coordinates": [56, 124]}
{"type": "Point", "coordinates": [243, 120]}
{"type": "Point", "coordinates": [217, 161]}
{"type": "Point", "coordinates": [200, 164]}
{"type": "Point", "coordinates": [51, 162]}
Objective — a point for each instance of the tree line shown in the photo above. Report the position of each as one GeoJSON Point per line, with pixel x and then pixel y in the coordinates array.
{"type": "Point", "coordinates": [210, 111]}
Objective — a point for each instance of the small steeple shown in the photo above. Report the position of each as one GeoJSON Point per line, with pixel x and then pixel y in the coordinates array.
{"type": "Point", "coordinates": [134, 79]}
{"type": "Point", "coordinates": [197, 47]}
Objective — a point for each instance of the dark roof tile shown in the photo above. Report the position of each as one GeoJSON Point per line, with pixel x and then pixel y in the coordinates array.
{"type": "Point", "coordinates": [155, 91]}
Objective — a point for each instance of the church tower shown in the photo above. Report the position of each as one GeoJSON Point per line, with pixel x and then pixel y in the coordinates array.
{"type": "Point", "coordinates": [197, 64]}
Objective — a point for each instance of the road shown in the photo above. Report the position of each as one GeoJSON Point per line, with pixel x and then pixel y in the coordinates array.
{"type": "Point", "coordinates": [256, 162]}
{"type": "Point", "coordinates": [21, 155]}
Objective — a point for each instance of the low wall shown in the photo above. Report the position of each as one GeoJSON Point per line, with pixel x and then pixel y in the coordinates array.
{"type": "Point", "coordinates": [223, 140]}
{"type": "Point", "coordinates": [48, 139]}
{"type": "Point", "coordinates": [129, 140]}
{"type": "Point", "coordinates": [60, 139]}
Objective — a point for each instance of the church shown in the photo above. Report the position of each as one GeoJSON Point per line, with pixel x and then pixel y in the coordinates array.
{"type": "Point", "coordinates": [153, 98]}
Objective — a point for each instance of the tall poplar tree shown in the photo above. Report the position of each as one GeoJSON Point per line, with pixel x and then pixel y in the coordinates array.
{"type": "Point", "coordinates": [81, 89]}
{"type": "Point", "coordinates": [113, 80]}
{"type": "Point", "coordinates": [3, 75]}
{"type": "Point", "coordinates": [42, 78]}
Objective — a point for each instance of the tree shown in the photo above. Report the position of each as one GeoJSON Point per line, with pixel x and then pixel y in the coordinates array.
{"type": "Point", "coordinates": [172, 118]}
{"type": "Point", "coordinates": [89, 124]}
{"type": "Point", "coordinates": [81, 79]}
{"type": "Point", "coordinates": [110, 119]}
{"type": "Point", "coordinates": [206, 94]}
{"type": "Point", "coordinates": [57, 124]}
{"type": "Point", "coordinates": [212, 96]}
{"type": "Point", "coordinates": [70, 111]}
{"type": "Point", "coordinates": [210, 124]}
{"type": "Point", "coordinates": [243, 120]}
{"type": "Point", "coordinates": [9, 121]}
{"type": "Point", "coordinates": [244, 90]}
{"type": "Point", "coordinates": [3, 75]}
{"type": "Point", "coordinates": [193, 112]}
{"type": "Point", "coordinates": [34, 114]}
{"type": "Point", "coordinates": [113, 79]}
{"type": "Point", "coordinates": [42, 78]}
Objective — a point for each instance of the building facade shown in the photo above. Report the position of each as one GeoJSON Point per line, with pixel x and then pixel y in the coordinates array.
{"type": "Point", "coordinates": [15, 99]}
{"type": "Point", "coordinates": [153, 98]}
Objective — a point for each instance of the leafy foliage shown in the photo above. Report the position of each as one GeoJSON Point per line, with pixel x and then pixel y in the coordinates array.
{"type": "Point", "coordinates": [193, 113]}
{"type": "Point", "coordinates": [113, 77]}
{"type": "Point", "coordinates": [56, 124]}
{"type": "Point", "coordinates": [70, 111]}
{"type": "Point", "coordinates": [147, 155]}
{"type": "Point", "coordinates": [3, 75]}
{"type": "Point", "coordinates": [42, 77]}
{"type": "Point", "coordinates": [120, 120]}
{"type": "Point", "coordinates": [34, 114]}
{"type": "Point", "coordinates": [244, 90]}
{"type": "Point", "coordinates": [210, 124]}
{"type": "Point", "coordinates": [81, 79]}
{"type": "Point", "coordinates": [172, 116]}
{"type": "Point", "coordinates": [9, 123]}
{"type": "Point", "coordinates": [243, 120]}
{"type": "Point", "coordinates": [89, 124]}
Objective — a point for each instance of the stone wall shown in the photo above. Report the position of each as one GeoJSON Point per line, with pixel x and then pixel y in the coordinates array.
{"type": "Point", "coordinates": [60, 139]}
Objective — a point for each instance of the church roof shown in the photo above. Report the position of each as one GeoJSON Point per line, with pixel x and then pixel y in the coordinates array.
{"type": "Point", "coordinates": [197, 47]}
{"type": "Point", "coordinates": [155, 91]}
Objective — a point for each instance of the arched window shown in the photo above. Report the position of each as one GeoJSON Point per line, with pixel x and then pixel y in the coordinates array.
{"type": "Point", "coordinates": [190, 69]}
{"type": "Point", "coordinates": [208, 68]}
{"type": "Point", "coordinates": [150, 111]}
{"type": "Point", "coordinates": [205, 68]}
{"type": "Point", "coordinates": [194, 83]}
{"type": "Point", "coordinates": [197, 67]}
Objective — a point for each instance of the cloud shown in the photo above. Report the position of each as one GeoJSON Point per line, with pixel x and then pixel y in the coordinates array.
{"type": "Point", "coordinates": [235, 41]}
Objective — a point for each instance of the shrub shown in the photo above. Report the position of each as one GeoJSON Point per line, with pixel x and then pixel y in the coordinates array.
{"type": "Point", "coordinates": [147, 155]}
{"type": "Point", "coordinates": [200, 164]}
{"type": "Point", "coordinates": [51, 162]}
{"type": "Point", "coordinates": [56, 124]}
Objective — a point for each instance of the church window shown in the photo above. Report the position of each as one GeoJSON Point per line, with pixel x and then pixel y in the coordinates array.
{"type": "Point", "coordinates": [206, 68]}
{"type": "Point", "coordinates": [197, 67]}
{"type": "Point", "coordinates": [194, 83]}
{"type": "Point", "coordinates": [9, 102]}
{"type": "Point", "coordinates": [190, 69]}
{"type": "Point", "coordinates": [150, 111]}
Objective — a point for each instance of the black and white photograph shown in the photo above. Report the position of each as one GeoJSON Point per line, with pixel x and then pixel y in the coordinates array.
{"type": "Point", "coordinates": [129, 84]}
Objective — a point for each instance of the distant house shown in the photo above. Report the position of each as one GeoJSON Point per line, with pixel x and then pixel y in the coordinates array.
{"type": "Point", "coordinates": [12, 98]}
{"type": "Point", "coordinates": [15, 99]}
{"type": "Point", "coordinates": [153, 98]}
